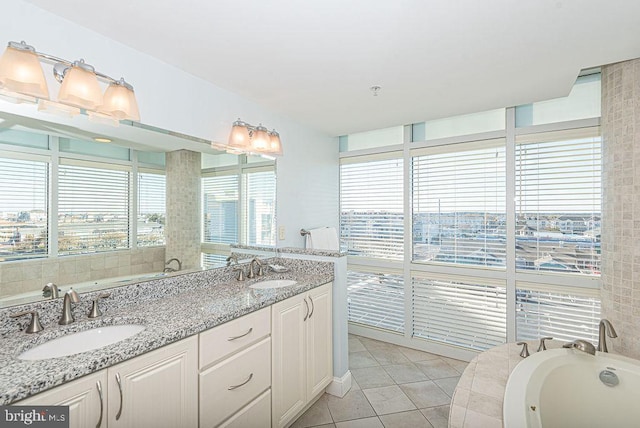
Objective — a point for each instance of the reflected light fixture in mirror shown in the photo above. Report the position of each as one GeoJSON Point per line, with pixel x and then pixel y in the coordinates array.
{"type": "Point", "coordinates": [22, 80]}
{"type": "Point", "coordinates": [246, 138]}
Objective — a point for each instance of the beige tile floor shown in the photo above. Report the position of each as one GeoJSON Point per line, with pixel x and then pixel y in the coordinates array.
{"type": "Point", "coordinates": [393, 387]}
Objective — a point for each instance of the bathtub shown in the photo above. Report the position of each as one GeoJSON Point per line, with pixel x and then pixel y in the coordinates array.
{"type": "Point", "coordinates": [563, 388]}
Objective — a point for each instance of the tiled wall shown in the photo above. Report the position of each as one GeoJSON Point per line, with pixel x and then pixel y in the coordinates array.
{"type": "Point", "coordinates": [621, 204]}
{"type": "Point", "coordinates": [182, 231]}
{"type": "Point", "coordinates": [31, 275]}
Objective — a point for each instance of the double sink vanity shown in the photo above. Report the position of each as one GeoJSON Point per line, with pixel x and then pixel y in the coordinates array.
{"type": "Point", "coordinates": [197, 349]}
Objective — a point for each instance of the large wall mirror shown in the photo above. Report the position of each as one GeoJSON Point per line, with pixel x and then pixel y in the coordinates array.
{"type": "Point", "coordinates": [83, 204]}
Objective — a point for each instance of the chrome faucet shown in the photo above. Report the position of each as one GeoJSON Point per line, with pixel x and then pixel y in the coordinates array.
{"type": "Point", "coordinates": [605, 327]}
{"type": "Point", "coordinates": [231, 259]}
{"type": "Point", "coordinates": [581, 345]}
{"type": "Point", "coordinates": [170, 269]}
{"type": "Point", "coordinates": [252, 273]}
{"type": "Point", "coordinates": [50, 290]}
{"type": "Point", "coordinates": [67, 316]}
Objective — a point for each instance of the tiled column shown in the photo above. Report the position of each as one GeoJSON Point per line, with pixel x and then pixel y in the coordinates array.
{"type": "Point", "coordinates": [183, 207]}
{"type": "Point", "coordinates": [621, 204]}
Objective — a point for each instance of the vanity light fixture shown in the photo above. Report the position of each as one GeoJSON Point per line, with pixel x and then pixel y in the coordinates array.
{"type": "Point", "coordinates": [246, 138]}
{"type": "Point", "coordinates": [22, 79]}
{"type": "Point", "coordinates": [102, 139]}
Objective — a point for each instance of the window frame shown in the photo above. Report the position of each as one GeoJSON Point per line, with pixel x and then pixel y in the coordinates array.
{"type": "Point", "coordinates": [566, 282]}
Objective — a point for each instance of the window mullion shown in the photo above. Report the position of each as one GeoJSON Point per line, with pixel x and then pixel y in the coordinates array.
{"type": "Point", "coordinates": [133, 200]}
{"type": "Point", "coordinates": [54, 171]}
{"type": "Point", "coordinates": [511, 225]}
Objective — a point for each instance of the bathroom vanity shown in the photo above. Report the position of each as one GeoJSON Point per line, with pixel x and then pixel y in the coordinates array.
{"type": "Point", "coordinates": [214, 352]}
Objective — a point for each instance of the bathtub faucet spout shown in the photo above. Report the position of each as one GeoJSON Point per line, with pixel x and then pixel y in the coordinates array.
{"type": "Point", "coordinates": [605, 327]}
{"type": "Point", "coordinates": [581, 345]}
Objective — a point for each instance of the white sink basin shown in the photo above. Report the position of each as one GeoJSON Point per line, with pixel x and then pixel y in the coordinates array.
{"type": "Point", "coordinates": [82, 341]}
{"type": "Point", "coordinates": [274, 283]}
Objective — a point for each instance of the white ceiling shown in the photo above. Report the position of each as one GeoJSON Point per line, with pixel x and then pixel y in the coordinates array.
{"type": "Point", "coordinates": [315, 60]}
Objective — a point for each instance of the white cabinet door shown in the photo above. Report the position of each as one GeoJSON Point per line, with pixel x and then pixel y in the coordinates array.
{"type": "Point", "coordinates": [319, 333]}
{"type": "Point", "coordinates": [86, 398]}
{"type": "Point", "coordinates": [288, 365]}
{"type": "Point", "coordinates": [302, 352]}
{"type": "Point", "coordinates": [158, 389]}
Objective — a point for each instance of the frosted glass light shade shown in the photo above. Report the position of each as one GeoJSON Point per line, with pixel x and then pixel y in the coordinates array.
{"type": "Point", "coordinates": [120, 102]}
{"type": "Point", "coordinates": [275, 146]}
{"type": "Point", "coordinates": [80, 88]}
{"type": "Point", "coordinates": [261, 140]}
{"type": "Point", "coordinates": [20, 72]}
{"type": "Point", "coordinates": [239, 137]}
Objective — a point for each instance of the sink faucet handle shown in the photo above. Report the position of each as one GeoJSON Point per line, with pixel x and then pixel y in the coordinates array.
{"type": "Point", "coordinates": [525, 349]}
{"type": "Point", "coordinates": [95, 310]}
{"type": "Point", "coordinates": [34, 326]}
{"type": "Point", "coordinates": [543, 346]}
{"type": "Point", "coordinates": [240, 273]}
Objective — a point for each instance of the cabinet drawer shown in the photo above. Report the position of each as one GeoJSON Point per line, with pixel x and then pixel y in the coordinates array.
{"type": "Point", "coordinates": [256, 414]}
{"type": "Point", "coordinates": [217, 343]}
{"type": "Point", "coordinates": [228, 386]}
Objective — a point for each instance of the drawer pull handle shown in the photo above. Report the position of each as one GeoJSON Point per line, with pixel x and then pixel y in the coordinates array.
{"type": "Point", "coordinates": [99, 388]}
{"type": "Point", "coordinates": [231, 388]}
{"type": "Point", "coordinates": [312, 307]}
{"type": "Point", "coordinates": [119, 381]}
{"type": "Point", "coordinates": [242, 335]}
{"type": "Point", "coordinates": [306, 315]}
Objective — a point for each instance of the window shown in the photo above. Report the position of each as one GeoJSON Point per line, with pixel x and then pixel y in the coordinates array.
{"type": "Point", "coordinates": [93, 208]}
{"type": "Point", "coordinates": [486, 121]}
{"type": "Point", "coordinates": [567, 314]}
{"type": "Point", "coordinates": [220, 204]}
{"type": "Point", "coordinates": [467, 312]}
{"type": "Point", "coordinates": [558, 202]}
{"type": "Point", "coordinates": [239, 206]}
{"type": "Point", "coordinates": [24, 211]}
{"type": "Point", "coordinates": [583, 102]}
{"type": "Point", "coordinates": [459, 204]}
{"type": "Point", "coordinates": [376, 299]}
{"type": "Point", "coordinates": [372, 139]}
{"type": "Point", "coordinates": [151, 208]}
{"type": "Point", "coordinates": [371, 208]}
{"type": "Point", "coordinates": [260, 208]}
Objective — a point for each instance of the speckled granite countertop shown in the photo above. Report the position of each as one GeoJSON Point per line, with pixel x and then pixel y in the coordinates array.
{"type": "Point", "coordinates": [170, 308]}
{"type": "Point", "coordinates": [477, 399]}
{"type": "Point", "coordinates": [289, 250]}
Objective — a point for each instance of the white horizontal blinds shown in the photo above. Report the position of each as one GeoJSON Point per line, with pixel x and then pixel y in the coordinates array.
{"type": "Point", "coordinates": [459, 213]}
{"type": "Point", "coordinates": [371, 208]}
{"type": "Point", "coordinates": [23, 209]}
{"type": "Point", "coordinates": [558, 201]}
{"type": "Point", "coordinates": [562, 313]}
{"type": "Point", "coordinates": [210, 261]}
{"type": "Point", "coordinates": [151, 208]}
{"type": "Point", "coordinates": [467, 312]}
{"type": "Point", "coordinates": [376, 299]}
{"type": "Point", "coordinates": [260, 208]}
{"type": "Point", "coordinates": [93, 207]}
{"type": "Point", "coordinates": [220, 206]}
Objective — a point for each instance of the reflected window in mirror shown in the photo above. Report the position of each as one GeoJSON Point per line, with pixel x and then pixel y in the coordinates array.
{"type": "Point", "coordinates": [62, 196]}
{"type": "Point", "coordinates": [239, 205]}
